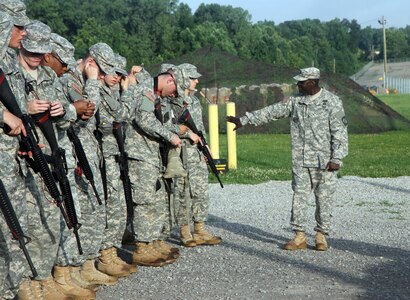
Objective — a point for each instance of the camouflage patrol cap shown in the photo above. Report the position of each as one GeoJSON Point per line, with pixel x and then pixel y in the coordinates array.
{"type": "Point", "coordinates": [104, 57]}
{"type": "Point", "coordinates": [6, 26]}
{"type": "Point", "coordinates": [37, 39]}
{"type": "Point", "coordinates": [190, 70]}
{"type": "Point", "coordinates": [120, 64]}
{"type": "Point", "coordinates": [164, 68]}
{"type": "Point", "coordinates": [181, 79]}
{"type": "Point", "coordinates": [308, 73]}
{"type": "Point", "coordinates": [63, 49]}
{"type": "Point", "coordinates": [17, 10]}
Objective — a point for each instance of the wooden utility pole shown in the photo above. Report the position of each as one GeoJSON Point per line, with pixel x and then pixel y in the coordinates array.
{"type": "Point", "coordinates": [383, 23]}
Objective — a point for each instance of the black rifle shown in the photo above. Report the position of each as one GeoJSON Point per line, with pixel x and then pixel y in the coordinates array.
{"type": "Point", "coordinates": [122, 160]}
{"type": "Point", "coordinates": [59, 164]}
{"type": "Point", "coordinates": [186, 119]}
{"type": "Point", "coordinates": [30, 142]}
{"type": "Point", "coordinates": [82, 160]}
{"type": "Point", "coordinates": [103, 167]}
{"type": "Point", "coordinates": [163, 147]}
{"type": "Point", "coordinates": [58, 161]}
{"type": "Point", "coordinates": [14, 226]}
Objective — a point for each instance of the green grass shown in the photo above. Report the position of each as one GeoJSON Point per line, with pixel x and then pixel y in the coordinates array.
{"type": "Point", "coordinates": [264, 157]}
{"type": "Point", "coordinates": [399, 102]}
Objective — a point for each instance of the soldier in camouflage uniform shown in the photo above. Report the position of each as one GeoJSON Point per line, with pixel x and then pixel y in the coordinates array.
{"type": "Point", "coordinates": [142, 144]}
{"type": "Point", "coordinates": [112, 110]}
{"type": "Point", "coordinates": [13, 265]}
{"type": "Point", "coordinates": [84, 83]}
{"type": "Point", "coordinates": [194, 193]}
{"type": "Point", "coordinates": [66, 272]}
{"type": "Point", "coordinates": [319, 144]}
{"type": "Point", "coordinates": [44, 93]}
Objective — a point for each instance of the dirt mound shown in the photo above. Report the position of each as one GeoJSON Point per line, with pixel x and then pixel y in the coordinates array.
{"type": "Point", "coordinates": [365, 112]}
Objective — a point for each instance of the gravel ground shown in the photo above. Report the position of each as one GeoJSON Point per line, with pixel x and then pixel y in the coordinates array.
{"type": "Point", "coordinates": [369, 255]}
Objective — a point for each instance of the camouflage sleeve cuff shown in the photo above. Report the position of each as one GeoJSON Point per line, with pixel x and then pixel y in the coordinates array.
{"type": "Point", "coordinates": [1, 117]}
{"type": "Point", "coordinates": [168, 135]}
{"type": "Point", "coordinates": [244, 120]}
{"type": "Point", "coordinates": [93, 83]}
{"type": "Point", "coordinates": [70, 113]}
{"type": "Point", "coordinates": [337, 161]}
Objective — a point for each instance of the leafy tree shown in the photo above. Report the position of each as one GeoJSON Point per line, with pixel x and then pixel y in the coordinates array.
{"type": "Point", "coordinates": [151, 31]}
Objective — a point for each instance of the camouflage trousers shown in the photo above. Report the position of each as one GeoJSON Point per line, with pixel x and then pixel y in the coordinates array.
{"type": "Point", "coordinates": [116, 206]}
{"type": "Point", "coordinates": [197, 207]}
{"type": "Point", "coordinates": [43, 226]}
{"type": "Point", "coordinates": [93, 218]}
{"type": "Point", "coordinates": [13, 264]}
{"type": "Point", "coordinates": [323, 185]}
{"type": "Point", "coordinates": [150, 213]}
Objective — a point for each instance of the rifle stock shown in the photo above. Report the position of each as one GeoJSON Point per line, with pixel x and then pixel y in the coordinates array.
{"type": "Point", "coordinates": [186, 119]}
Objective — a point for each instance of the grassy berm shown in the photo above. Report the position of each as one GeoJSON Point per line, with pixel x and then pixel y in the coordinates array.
{"type": "Point", "coordinates": [365, 112]}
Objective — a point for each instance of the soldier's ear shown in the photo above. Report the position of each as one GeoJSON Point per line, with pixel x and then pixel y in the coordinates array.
{"type": "Point", "coordinates": [47, 57]}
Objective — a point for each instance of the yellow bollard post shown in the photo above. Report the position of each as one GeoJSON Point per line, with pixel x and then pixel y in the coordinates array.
{"type": "Point", "coordinates": [231, 137]}
{"type": "Point", "coordinates": [213, 130]}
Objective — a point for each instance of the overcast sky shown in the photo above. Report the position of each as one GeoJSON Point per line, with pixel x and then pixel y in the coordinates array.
{"type": "Point", "coordinates": [366, 12]}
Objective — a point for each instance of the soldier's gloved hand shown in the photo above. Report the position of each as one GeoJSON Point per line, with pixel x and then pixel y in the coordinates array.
{"type": "Point", "coordinates": [332, 166]}
{"type": "Point", "coordinates": [234, 120]}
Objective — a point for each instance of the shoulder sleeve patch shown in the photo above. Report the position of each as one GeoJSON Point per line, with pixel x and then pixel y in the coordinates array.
{"type": "Point", "coordinates": [76, 88]}
{"type": "Point", "coordinates": [150, 96]}
{"type": "Point", "coordinates": [147, 105]}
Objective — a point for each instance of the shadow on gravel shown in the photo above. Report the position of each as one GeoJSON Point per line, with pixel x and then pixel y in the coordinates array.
{"type": "Point", "coordinates": [386, 269]}
{"type": "Point", "coordinates": [247, 231]}
{"type": "Point", "coordinates": [383, 186]}
{"type": "Point", "coordinates": [387, 274]}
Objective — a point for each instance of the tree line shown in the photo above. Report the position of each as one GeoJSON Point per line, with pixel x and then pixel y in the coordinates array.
{"type": "Point", "coordinates": [151, 31]}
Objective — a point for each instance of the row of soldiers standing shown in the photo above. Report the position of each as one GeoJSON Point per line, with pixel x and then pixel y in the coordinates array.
{"type": "Point", "coordinates": [115, 116]}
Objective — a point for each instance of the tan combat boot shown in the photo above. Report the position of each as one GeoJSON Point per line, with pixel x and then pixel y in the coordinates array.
{"type": "Point", "coordinates": [93, 276]}
{"type": "Point", "coordinates": [78, 280]}
{"type": "Point", "coordinates": [186, 237]}
{"type": "Point", "coordinates": [146, 255]}
{"type": "Point", "coordinates": [68, 287]}
{"type": "Point", "coordinates": [36, 289]}
{"type": "Point", "coordinates": [321, 244]}
{"type": "Point", "coordinates": [51, 292]}
{"type": "Point", "coordinates": [166, 249]}
{"type": "Point", "coordinates": [30, 290]}
{"type": "Point", "coordinates": [169, 258]}
{"type": "Point", "coordinates": [131, 268]}
{"type": "Point", "coordinates": [108, 264]}
{"type": "Point", "coordinates": [298, 242]}
{"type": "Point", "coordinates": [203, 237]}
